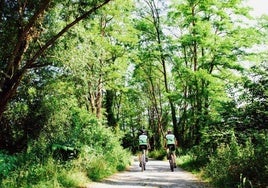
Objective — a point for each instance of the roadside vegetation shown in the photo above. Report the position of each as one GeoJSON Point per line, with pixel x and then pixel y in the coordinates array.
{"type": "Point", "coordinates": [235, 153]}
{"type": "Point", "coordinates": [80, 78]}
{"type": "Point", "coordinates": [99, 154]}
{"type": "Point", "coordinates": [231, 165]}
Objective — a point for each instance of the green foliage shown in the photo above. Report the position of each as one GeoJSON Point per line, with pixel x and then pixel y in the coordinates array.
{"type": "Point", "coordinates": [103, 144]}
{"type": "Point", "coordinates": [233, 163]}
{"type": "Point", "coordinates": [222, 118]}
{"type": "Point", "coordinates": [72, 178]}
{"type": "Point", "coordinates": [158, 154]}
{"type": "Point", "coordinates": [99, 169]}
{"type": "Point", "coordinates": [194, 159]}
{"type": "Point", "coordinates": [7, 164]}
{"type": "Point", "coordinates": [189, 162]}
{"type": "Point", "coordinates": [47, 174]}
{"type": "Point", "coordinates": [29, 172]}
{"type": "Point", "coordinates": [100, 155]}
{"type": "Point", "coordinates": [237, 165]}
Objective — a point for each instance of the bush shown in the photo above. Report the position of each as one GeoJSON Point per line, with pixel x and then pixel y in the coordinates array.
{"type": "Point", "coordinates": [236, 165]}
{"type": "Point", "coordinates": [218, 167]}
{"type": "Point", "coordinates": [100, 155]}
{"type": "Point", "coordinates": [158, 154]}
{"type": "Point", "coordinates": [98, 169]}
{"type": "Point", "coordinates": [72, 178]}
{"type": "Point", "coordinates": [189, 162]}
{"type": "Point", "coordinates": [7, 164]}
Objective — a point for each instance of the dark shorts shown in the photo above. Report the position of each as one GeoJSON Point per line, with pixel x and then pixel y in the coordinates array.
{"type": "Point", "coordinates": [171, 147]}
{"type": "Point", "coordinates": [141, 147]}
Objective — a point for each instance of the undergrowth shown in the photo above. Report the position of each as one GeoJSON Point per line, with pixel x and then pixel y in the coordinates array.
{"type": "Point", "coordinates": [100, 155]}
{"type": "Point", "coordinates": [230, 165]}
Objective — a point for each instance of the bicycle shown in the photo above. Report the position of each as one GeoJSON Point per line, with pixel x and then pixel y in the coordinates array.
{"type": "Point", "coordinates": [171, 159]}
{"type": "Point", "coordinates": [143, 160]}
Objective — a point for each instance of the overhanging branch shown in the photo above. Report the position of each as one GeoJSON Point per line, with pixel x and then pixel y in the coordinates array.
{"type": "Point", "coordinates": [64, 30]}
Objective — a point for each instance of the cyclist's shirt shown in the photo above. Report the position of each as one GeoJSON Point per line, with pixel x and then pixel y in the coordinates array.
{"type": "Point", "coordinates": [143, 139]}
{"type": "Point", "coordinates": [170, 139]}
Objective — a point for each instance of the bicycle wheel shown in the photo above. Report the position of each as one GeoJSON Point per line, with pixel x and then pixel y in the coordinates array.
{"type": "Point", "coordinates": [143, 162]}
{"type": "Point", "coordinates": [171, 162]}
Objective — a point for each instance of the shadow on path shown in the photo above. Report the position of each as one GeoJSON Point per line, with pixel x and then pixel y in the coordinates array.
{"type": "Point", "coordinates": [156, 175]}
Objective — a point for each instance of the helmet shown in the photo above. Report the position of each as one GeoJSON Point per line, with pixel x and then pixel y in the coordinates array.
{"type": "Point", "coordinates": [143, 131]}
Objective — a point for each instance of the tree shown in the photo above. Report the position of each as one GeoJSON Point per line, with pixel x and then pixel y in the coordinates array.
{"type": "Point", "coordinates": [98, 59]}
{"type": "Point", "coordinates": [23, 29]}
{"type": "Point", "coordinates": [152, 67]}
{"type": "Point", "coordinates": [210, 49]}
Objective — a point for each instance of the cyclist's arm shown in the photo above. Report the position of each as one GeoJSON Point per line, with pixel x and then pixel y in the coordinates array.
{"type": "Point", "coordinates": [176, 143]}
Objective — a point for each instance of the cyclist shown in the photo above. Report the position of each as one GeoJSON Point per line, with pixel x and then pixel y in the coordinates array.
{"type": "Point", "coordinates": [170, 142]}
{"type": "Point", "coordinates": [143, 144]}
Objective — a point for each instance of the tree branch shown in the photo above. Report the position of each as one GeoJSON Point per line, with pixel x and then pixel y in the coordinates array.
{"type": "Point", "coordinates": [64, 30]}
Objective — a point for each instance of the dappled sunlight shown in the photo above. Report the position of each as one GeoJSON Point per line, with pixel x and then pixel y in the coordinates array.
{"type": "Point", "coordinates": [157, 174]}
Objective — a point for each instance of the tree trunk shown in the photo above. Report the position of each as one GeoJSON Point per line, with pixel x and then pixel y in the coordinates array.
{"type": "Point", "coordinates": [8, 91]}
{"type": "Point", "coordinates": [109, 108]}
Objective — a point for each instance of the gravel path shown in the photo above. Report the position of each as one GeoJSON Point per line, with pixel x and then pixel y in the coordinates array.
{"type": "Point", "coordinates": [157, 175]}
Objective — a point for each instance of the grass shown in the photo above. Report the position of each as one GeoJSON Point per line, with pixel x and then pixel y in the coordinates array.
{"type": "Point", "coordinates": [189, 163]}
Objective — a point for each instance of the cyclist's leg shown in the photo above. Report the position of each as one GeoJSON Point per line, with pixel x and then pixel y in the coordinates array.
{"type": "Point", "coordinates": [139, 155]}
{"type": "Point", "coordinates": [146, 153]}
{"type": "Point", "coordinates": [167, 152]}
{"type": "Point", "coordinates": [174, 154]}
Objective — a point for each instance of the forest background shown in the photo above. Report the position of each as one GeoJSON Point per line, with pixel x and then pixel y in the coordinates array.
{"type": "Point", "coordinates": [80, 78]}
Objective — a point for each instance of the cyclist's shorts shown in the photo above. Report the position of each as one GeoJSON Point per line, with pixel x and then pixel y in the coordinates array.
{"type": "Point", "coordinates": [171, 147]}
{"type": "Point", "coordinates": [143, 147]}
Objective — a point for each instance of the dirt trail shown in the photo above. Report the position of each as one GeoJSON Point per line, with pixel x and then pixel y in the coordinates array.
{"type": "Point", "coordinates": [157, 175]}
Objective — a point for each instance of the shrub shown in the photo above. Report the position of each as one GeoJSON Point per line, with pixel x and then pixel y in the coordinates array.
{"type": "Point", "coordinates": [188, 162]}
{"type": "Point", "coordinates": [158, 154]}
{"type": "Point", "coordinates": [98, 169]}
{"type": "Point", "coordinates": [236, 165]}
{"type": "Point", "coordinates": [218, 167]}
{"type": "Point", "coordinates": [72, 178]}
{"type": "Point", "coordinates": [7, 164]}
{"type": "Point", "coordinates": [100, 155]}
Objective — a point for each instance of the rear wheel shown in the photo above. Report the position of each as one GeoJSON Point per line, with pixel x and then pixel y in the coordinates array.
{"type": "Point", "coordinates": [143, 162]}
{"type": "Point", "coordinates": [171, 162]}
